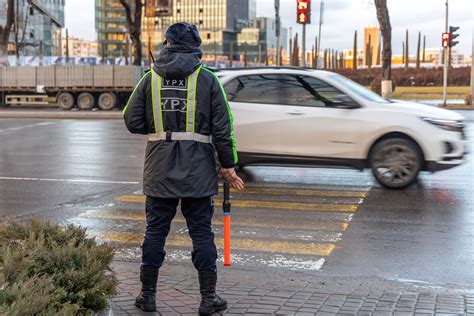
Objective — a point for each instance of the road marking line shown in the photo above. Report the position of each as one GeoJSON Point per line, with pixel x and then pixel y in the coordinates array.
{"type": "Point", "coordinates": [25, 126]}
{"type": "Point", "coordinates": [264, 204]}
{"type": "Point", "coordinates": [140, 217]}
{"type": "Point", "coordinates": [301, 192]}
{"type": "Point", "coordinates": [281, 247]}
{"type": "Point", "coordinates": [69, 180]}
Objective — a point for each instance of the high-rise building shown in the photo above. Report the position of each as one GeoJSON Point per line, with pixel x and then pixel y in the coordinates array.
{"type": "Point", "coordinates": [111, 26]}
{"type": "Point", "coordinates": [259, 42]}
{"type": "Point", "coordinates": [218, 21]}
{"type": "Point", "coordinates": [372, 44]}
{"type": "Point", "coordinates": [39, 31]}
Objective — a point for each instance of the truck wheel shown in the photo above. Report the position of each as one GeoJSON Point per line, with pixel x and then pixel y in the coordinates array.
{"type": "Point", "coordinates": [65, 101]}
{"type": "Point", "coordinates": [395, 162]}
{"type": "Point", "coordinates": [107, 101]}
{"type": "Point", "coordinates": [85, 101]}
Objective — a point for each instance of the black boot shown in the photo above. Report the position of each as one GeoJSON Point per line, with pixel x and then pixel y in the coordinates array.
{"type": "Point", "coordinates": [210, 302]}
{"type": "Point", "coordinates": [146, 301]}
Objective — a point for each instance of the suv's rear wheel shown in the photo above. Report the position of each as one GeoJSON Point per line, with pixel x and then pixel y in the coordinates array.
{"type": "Point", "coordinates": [395, 162]}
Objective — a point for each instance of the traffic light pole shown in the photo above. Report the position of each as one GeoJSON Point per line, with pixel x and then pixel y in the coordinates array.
{"type": "Point", "coordinates": [446, 60]}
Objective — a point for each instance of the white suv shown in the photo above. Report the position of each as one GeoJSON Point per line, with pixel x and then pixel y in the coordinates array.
{"type": "Point", "coordinates": [295, 116]}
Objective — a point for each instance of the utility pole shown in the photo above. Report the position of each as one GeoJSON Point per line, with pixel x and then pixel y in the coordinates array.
{"type": "Point", "coordinates": [445, 73]}
{"type": "Point", "coordinates": [277, 31]}
{"type": "Point", "coordinates": [321, 16]}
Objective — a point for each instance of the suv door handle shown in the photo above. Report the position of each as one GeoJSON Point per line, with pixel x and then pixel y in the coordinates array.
{"type": "Point", "coordinates": [295, 113]}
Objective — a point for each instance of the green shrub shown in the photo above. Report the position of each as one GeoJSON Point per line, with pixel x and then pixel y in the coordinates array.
{"type": "Point", "coordinates": [46, 269]}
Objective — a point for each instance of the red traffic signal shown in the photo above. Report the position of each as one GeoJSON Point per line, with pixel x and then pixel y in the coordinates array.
{"type": "Point", "coordinates": [303, 11]}
{"type": "Point", "coordinates": [446, 39]}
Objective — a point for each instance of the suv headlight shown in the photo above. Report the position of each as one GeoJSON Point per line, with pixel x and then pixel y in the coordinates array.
{"type": "Point", "coordinates": [449, 125]}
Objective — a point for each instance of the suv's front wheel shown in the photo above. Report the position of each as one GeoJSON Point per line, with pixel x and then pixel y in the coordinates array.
{"type": "Point", "coordinates": [395, 162]}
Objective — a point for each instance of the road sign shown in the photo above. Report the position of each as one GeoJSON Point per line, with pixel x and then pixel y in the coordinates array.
{"type": "Point", "coordinates": [445, 39]}
{"type": "Point", "coordinates": [303, 11]}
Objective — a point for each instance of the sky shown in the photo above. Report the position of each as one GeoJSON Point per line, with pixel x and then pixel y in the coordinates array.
{"type": "Point", "coordinates": [341, 19]}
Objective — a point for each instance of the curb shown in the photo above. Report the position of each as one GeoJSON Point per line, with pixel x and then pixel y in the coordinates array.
{"type": "Point", "coordinates": [58, 114]}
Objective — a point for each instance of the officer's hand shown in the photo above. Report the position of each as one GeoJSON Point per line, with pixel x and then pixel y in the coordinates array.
{"type": "Point", "coordinates": [230, 176]}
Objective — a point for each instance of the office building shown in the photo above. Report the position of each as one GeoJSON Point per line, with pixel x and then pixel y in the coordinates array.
{"type": "Point", "coordinates": [258, 40]}
{"type": "Point", "coordinates": [111, 27]}
{"type": "Point", "coordinates": [39, 31]}
{"type": "Point", "coordinates": [219, 22]}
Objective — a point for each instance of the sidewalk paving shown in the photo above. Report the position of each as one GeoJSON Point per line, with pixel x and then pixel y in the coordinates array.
{"type": "Point", "coordinates": [249, 293]}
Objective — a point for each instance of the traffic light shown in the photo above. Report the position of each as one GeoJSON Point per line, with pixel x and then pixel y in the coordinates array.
{"type": "Point", "coordinates": [453, 36]}
{"type": "Point", "coordinates": [445, 39]}
{"type": "Point", "coordinates": [303, 11]}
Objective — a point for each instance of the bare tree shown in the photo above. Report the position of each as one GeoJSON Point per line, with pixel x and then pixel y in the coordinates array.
{"type": "Point", "coordinates": [296, 52]}
{"type": "Point", "coordinates": [134, 21]}
{"type": "Point", "coordinates": [407, 52]}
{"type": "Point", "coordinates": [5, 32]}
{"type": "Point", "coordinates": [316, 55]}
{"type": "Point", "coordinates": [424, 48]}
{"type": "Point", "coordinates": [403, 55]}
{"type": "Point", "coordinates": [368, 58]}
{"type": "Point", "coordinates": [386, 30]}
{"type": "Point", "coordinates": [354, 52]}
{"type": "Point", "coordinates": [418, 52]}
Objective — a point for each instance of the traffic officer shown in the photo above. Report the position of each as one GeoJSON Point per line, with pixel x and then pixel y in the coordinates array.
{"type": "Point", "coordinates": [181, 106]}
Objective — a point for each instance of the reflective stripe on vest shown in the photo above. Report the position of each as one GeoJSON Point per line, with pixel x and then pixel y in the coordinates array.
{"type": "Point", "coordinates": [181, 136]}
{"type": "Point", "coordinates": [191, 101]}
{"type": "Point", "coordinates": [191, 104]}
{"type": "Point", "coordinates": [156, 100]}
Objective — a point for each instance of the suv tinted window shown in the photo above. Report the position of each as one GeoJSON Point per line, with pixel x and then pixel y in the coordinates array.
{"type": "Point", "coordinates": [284, 89]}
{"type": "Point", "coordinates": [254, 89]}
{"type": "Point", "coordinates": [323, 92]}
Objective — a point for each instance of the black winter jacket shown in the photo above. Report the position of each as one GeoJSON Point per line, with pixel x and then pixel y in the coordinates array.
{"type": "Point", "coordinates": [183, 169]}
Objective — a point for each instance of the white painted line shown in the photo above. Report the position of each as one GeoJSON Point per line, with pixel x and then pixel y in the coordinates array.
{"type": "Point", "coordinates": [25, 126]}
{"type": "Point", "coordinates": [239, 259]}
{"type": "Point", "coordinates": [70, 180]}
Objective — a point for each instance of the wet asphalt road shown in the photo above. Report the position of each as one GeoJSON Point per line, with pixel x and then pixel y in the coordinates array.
{"type": "Point", "coordinates": [289, 220]}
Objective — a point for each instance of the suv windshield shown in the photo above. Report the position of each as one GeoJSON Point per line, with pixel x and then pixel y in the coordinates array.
{"type": "Point", "coordinates": [358, 89]}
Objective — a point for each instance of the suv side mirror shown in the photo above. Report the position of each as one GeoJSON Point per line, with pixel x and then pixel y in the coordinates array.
{"type": "Point", "coordinates": [344, 102]}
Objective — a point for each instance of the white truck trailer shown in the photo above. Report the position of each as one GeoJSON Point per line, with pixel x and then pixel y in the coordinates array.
{"type": "Point", "coordinates": [84, 86]}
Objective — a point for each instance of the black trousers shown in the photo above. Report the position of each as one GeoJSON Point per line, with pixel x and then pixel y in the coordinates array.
{"type": "Point", "coordinates": [198, 214]}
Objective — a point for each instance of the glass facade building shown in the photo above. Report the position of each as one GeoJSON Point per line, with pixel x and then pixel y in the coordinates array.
{"type": "Point", "coordinates": [39, 31]}
{"type": "Point", "coordinates": [259, 41]}
{"type": "Point", "coordinates": [111, 26]}
{"type": "Point", "coordinates": [218, 22]}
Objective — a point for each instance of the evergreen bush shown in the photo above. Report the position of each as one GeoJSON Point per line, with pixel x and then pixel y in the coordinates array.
{"type": "Point", "coordinates": [47, 269]}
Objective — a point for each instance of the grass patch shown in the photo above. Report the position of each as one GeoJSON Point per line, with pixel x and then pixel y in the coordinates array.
{"type": "Point", "coordinates": [426, 93]}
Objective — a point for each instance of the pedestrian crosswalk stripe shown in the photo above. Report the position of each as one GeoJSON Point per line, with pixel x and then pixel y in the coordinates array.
{"type": "Point", "coordinates": [281, 247]}
{"type": "Point", "coordinates": [301, 192]}
{"type": "Point", "coordinates": [239, 221]}
{"type": "Point", "coordinates": [264, 204]}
